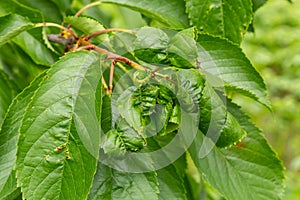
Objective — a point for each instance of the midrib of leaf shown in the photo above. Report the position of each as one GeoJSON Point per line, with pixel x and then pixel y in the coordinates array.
{"type": "Point", "coordinates": [26, 183]}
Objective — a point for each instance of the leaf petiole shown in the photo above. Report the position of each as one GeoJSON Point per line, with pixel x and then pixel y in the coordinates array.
{"type": "Point", "coordinates": [107, 31]}
{"type": "Point", "coordinates": [57, 26]}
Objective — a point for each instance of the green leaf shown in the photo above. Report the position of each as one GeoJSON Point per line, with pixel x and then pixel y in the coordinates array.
{"type": "Point", "coordinates": [170, 178]}
{"type": "Point", "coordinates": [9, 137]}
{"type": "Point", "coordinates": [229, 19]}
{"type": "Point", "coordinates": [14, 6]}
{"type": "Point", "coordinates": [215, 121]}
{"type": "Point", "coordinates": [171, 183]}
{"type": "Point", "coordinates": [170, 12]}
{"type": "Point", "coordinates": [249, 170]}
{"type": "Point", "coordinates": [86, 25]}
{"type": "Point", "coordinates": [231, 133]}
{"type": "Point", "coordinates": [49, 10]}
{"type": "Point", "coordinates": [189, 89]}
{"type": "Point", "coordinates": [59, 136]}
{"type": "Point", "coordinates": [21, 72]}
{"type": "Point", "coordinates": [227, 62]}
{"type": "Point", "coordinates": [63, 5]}
{"type": "Point", "coordinates": [110, 184]}
{"type": "Point", "coordinates": [149, 37]}
{"type": "Point", "coordinates": [122, 139]}
{"type": "Point", "coordinates": [256, 4]}
{"type": "Point", "coordinates": [106, 119]}
{"type": "Point", "coordinates": [127, 111]}
{"type": "Point", "coordinates": [7, 93]}
{"type": "Point", "coordinates": [37, 51]}
{"type": "Point", "coordinates": [212, 113]}
{"type": "Point", "coordinates": [151, 44]}
{"type": "Point", "coordinates": [11, 26]}
{"type": "Point", "coordinates": [182, 50]}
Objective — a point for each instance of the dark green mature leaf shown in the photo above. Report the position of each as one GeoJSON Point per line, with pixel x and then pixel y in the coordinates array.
{"type": "Point", "coordinates": [7, 93]}
{"type": "Point", "coordinates": [37, 51]}
{"type": "Point", "coordinates": [256, 4]}
{"type": "Point", "coordinates": [151, 44]}
{"type": "Point", "coordinates": [63, 5]}
{"type": "Point", "coordinates": [171, 178]}
{"type": "Point", "coordinates": [170, 12]}
{"type": "Point", "coordinates": [11, 26]}
{"type": "Point", "coordinates": [226, 61]}
{"type": "Point", "coordinates": [86, 25]}
{"type": "Point", "coordinates": [249, 170]}
{"type": "Point", "coordinates": [231, 132]}
{"type": "Point", "coordinates": [182, 50]}
{"type": "Point", "coordinates": [21, 72]}
{"type": "Point", "coordinates": [110, 184]}
{"type": "Point", "coordinates": [9, 137]}
{"type": "Point", "coordinates": [49, 10]}
{"type": "Point", "coordinates": [59, 142]}
{"type": "Point", "coordinates": [215, 121]}
{"type": "Point", "coordinates": [14, 6]}
{"type": "Point", "coordinates": [106, 120]}
{"type": "Point", "coordinates": [229, 19]}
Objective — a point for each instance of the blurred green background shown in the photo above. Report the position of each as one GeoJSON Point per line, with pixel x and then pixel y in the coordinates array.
{"type": "Point", "coordinates": [274, 49]}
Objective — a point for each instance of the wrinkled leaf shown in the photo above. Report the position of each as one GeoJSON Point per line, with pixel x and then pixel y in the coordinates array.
{"type": "Point", "coordinates": [189, 89]}
{"type": "Point", "coordinates": [122, 139]}
{"type": "Point", "coordinates": [228, 19]}
{"type": "Point", "coordinates": [110, 184]}
{"type": "Point", "coordinates": [59, 141]}
{"type": "Point", "coordinates": [227, 62]}
{"type": "Point", "coordinates": [127, 111]}
{"type": "Point", "coordinates": [170, 12]}
{"type": "Point", "coordinates": [11, 26]}
{"type": "Point", "coordinates": [151, 44]}
{"type": "Point", "coordinates": [9, 137]}
{"type": "Point", "coordinates": [248, 170]}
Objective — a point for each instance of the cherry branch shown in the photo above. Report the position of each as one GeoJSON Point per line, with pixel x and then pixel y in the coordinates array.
{"type": "Point", "coordinates": [118, 58]}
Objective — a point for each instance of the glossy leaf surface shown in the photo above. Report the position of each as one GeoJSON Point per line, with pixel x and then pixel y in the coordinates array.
{"type": "Point", "coordinates": [228, 63]}
{"type": "Point", "coordinates": [11, 26]}
{"type": "Point", "coordinates": [9, 136]}
{"type": "Point", "coordinates": [228, 19]}
{"type": "Point", "coordinates": [170, 12]}
{"type": "Point", "coordinates": [242, 171]}
{"type": "Point", "coordinates": [61, 154]}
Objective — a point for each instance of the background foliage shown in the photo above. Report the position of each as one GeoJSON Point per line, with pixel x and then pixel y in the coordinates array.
{"type": "Point", "coordinates": [274, 49]}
